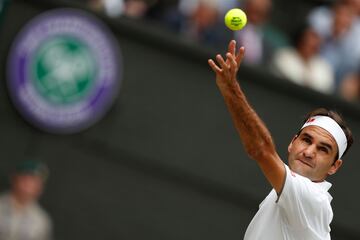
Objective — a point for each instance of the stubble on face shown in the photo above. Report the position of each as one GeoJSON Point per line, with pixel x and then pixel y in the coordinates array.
{"type": "Point", "coordinates": [312, 153]}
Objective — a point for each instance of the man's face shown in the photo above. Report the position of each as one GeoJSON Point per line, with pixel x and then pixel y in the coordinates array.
{"type": "Point", "coordinates": [27, 187]}
{"type": "Point", "coordinates": [312, 154]}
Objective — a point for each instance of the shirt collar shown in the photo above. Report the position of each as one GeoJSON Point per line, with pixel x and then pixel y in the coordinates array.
{"type": "Point", "coordinates": [325, 185]}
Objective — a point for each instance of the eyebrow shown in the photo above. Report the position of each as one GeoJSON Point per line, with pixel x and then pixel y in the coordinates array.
{"type": "Point", "coordinates": [321, 143]}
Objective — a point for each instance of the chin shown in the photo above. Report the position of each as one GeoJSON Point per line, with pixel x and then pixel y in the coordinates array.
{"type": "Point", "coordinates": [299, 169]}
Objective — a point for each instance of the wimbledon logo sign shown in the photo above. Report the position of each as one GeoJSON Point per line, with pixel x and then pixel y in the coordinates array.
{"type": "Point", "coordinates": [64, 71]}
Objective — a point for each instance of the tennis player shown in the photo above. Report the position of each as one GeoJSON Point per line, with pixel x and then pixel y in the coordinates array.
{"type": "Point", "coordinates": [298, 207]}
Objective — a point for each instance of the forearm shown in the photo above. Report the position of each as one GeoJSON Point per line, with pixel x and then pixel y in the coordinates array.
{"type": "Point", "coordinates": [255, 136]}
{"type": "Point", "coordinates": [253, 132]}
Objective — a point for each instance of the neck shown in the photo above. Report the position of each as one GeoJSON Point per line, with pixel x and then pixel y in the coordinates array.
{"type": "Point", "coordinates": [19, 201]}
{"type": "Point", "coordinates": [305, 55]}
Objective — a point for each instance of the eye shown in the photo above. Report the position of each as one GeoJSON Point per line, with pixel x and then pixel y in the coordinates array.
{"type": "Point", "coordinates": [307, 140]}
{"type": "Point", "coordinates": [323, 149]}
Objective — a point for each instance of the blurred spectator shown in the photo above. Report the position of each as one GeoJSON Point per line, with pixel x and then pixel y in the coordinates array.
{"type": "Point", "coordinates": [259, 38]}
{"type": "Point", "coordinates": [321, 18]}
{"type": "Point", "coordinates": [302, 64]}
{"type": "Point", "coordinates": [21, 218]}
{"type": "Point", "coordinates": [116, 8]}
{"type": "Point", "coordinates": [188, 6]}
{"type": "Point", "coordinates": [112, 8]}
{"type": "Point", "coordinates": [350, 87]}
{"type": "Point", "coordinates": [201, 20]}
{"type": "Point", "coordinates": [340, 28]}
{"type": "Point", "coordinates": [136, 8]}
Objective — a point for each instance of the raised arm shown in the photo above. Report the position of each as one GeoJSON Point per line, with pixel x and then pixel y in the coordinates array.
{"type": "Point", "coordinates": [255, 136]}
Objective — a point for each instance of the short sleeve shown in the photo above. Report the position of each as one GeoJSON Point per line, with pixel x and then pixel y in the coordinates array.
{"type": "Point", "coordinates": [303, 204]}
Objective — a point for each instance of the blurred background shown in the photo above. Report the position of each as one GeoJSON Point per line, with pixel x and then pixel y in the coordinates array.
{"type": "Point", "coordinates": [164, 160]}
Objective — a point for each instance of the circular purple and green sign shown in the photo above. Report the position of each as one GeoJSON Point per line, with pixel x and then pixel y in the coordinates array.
{"type": "Point", "coordinates": [64, 70]}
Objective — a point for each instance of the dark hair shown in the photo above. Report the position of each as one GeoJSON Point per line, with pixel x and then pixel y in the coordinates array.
{"type": "Point", "coordinates": [339, 119]}
{"type": "Point", "coordinates": [297, 34]}
{"type": "Point", "coordinates": [32, 167]}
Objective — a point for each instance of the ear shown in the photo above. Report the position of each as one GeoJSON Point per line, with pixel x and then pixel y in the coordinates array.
{"type": "Point", "coordinates": [291, 143]}
{"type": "Point", "coordinates": [335, 167]}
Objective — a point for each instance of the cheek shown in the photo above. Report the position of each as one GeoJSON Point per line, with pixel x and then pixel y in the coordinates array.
{"type": "Point", "coordinates": [295, 147]}
{"type": "Point", "coordinates": [323, 164]}
{"type": "Point", "coordinates": [327, 159]}
{"type": "Point", "coordinates": [30, 186]}
{"type": "Point", "coordinates": [326, 164]}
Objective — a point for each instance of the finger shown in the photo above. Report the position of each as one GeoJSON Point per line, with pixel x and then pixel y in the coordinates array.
{"type": "Point", "coordinates": [232, 61]}
{"type": "Point", "coordinates": [240, 55]}
{"type": "Point", "coordinates": [232, 47]}
{"type": "Point", "coordinates": [221, 62]}
{"type": "Point", "coordinates": [214, 67]}
{"type": "Point", "coordinates": [233, 65]}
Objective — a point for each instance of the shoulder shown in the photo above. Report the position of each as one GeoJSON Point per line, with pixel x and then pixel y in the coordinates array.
{"type": "Point", "coordinates": [283, 55]}
{"type": "Point", "coordinates": [40, 215]}
{"type": "Point", "coordinates": [303, 188]}
{"type": "Point", "coordinates": [305, 204]}
{"type": "Point", "coordinates": [4, 197]}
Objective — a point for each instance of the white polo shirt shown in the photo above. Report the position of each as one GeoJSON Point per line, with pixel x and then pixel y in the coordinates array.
{"type": "Point", "coordinates": [301, 212]}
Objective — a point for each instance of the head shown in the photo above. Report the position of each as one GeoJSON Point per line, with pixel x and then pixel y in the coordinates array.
{"type": "Point", "coordinates": [28, 180]}
{"type": "Point", "coordinates": [314, 152]}
{"type": "Point", "coordinates": [257, 11]}
{"type": "Point", "coordinates": [205, 14]}
{"type": "Point", "coordinates": [344, 17]}
{"type": "Point", "coordinates": [307, 41]}
{"type": "Point", "coordinates": [354, 4]}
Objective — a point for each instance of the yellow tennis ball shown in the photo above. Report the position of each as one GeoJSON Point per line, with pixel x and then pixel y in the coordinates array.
{"type": "Point", "coordinates": [235, 19]}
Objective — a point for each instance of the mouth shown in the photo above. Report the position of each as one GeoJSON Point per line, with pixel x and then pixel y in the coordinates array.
{"type": "Point", "coordinates": [305, 163]}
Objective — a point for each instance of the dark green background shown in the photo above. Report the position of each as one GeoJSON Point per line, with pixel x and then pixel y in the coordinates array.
{"type": "Point", "coordinates": [166, 161]}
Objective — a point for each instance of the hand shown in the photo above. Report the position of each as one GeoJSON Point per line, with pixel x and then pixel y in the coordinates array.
{"type": "Point", "coordinates": [226, 71]}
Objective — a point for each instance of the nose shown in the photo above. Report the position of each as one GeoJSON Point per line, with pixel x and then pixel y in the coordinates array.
{"type": "Point", "coordinates": [310, 151]}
